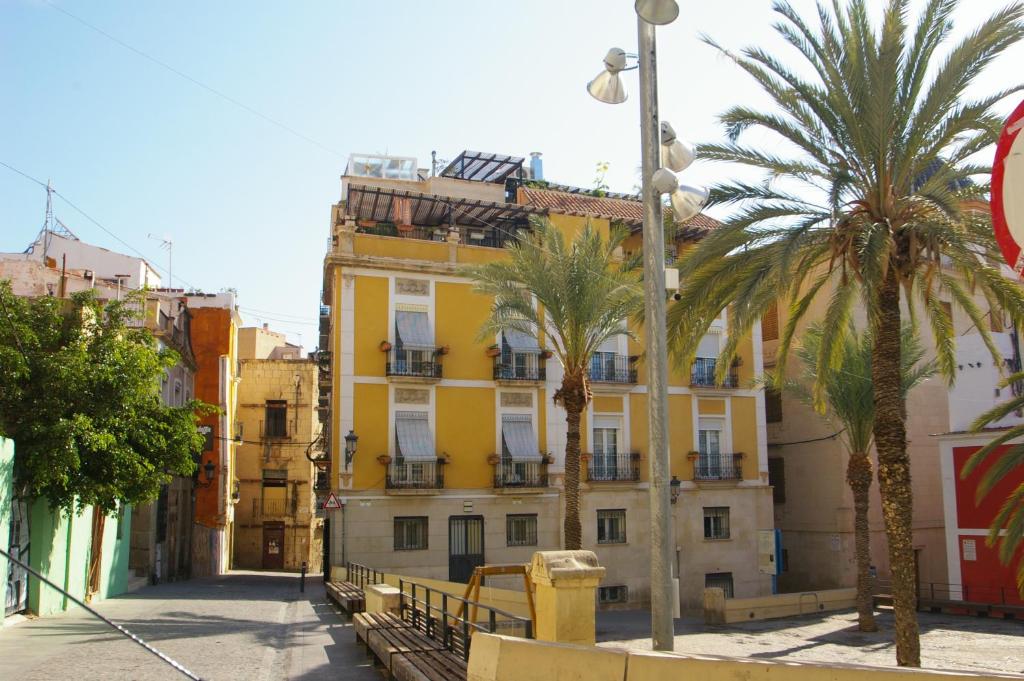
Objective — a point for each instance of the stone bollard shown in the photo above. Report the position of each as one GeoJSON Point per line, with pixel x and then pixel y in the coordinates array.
{"type": "Point", "coordinates": [714, 605]}
{"type": "Point", "coordinates": [565, 584]}
{"type": "Point", "coordinates": [382, 598]}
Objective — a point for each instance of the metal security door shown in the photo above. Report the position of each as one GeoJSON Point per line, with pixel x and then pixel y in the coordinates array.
{"type": "Point", "coordinates": [16, 579]}
{"type": "Point", "coordinates": [273, 546]}
{"type": "Point", "coordinates": [465, 546]}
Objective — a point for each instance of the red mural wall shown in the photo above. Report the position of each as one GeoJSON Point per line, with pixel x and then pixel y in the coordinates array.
{"type": "Point", "coordinates": [211, 337]}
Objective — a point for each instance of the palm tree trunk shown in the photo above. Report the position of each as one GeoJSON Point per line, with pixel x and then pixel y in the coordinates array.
{"type": "Point", "coordinates": [894, 470]}
{"type": "Point", "coordinates": [858, 475]}
{"type": "Point", "coordinates": [573, 399]}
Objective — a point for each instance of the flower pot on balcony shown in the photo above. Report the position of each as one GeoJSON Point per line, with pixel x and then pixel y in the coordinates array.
{"type": "Point", "coordinates": [494, 459]}
{"type": "Point", "coordinates": [584, 457]}
{"type": "Point", "coordinates": [635, 456]}
{"type": "Point", "coordinates": [405, 230]}
{"type": "Point", "coordinates": [692, 455]}
{"type": "Point", "coordinates": [385, 346]}
{"type": "Point", "coordinates": [366, 223]}
{"type": "Point", "coordinates": [547, 459]}
{"type": "Point", "coordinates": [443, 350]}
{"type": "Point", "coordinates": [493, 351]}
{"type": "Point", "coordinates": [443, 459]}
{"type": "Point", "coordinates": [546, 354]}
{"type": "Point", "coordinates": [383, 459]}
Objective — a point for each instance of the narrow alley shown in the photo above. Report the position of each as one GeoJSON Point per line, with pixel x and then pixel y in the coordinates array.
{"type": "Point", "coordinates": [246, 625]}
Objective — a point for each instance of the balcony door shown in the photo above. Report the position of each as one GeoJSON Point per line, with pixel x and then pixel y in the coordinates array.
{"type": "Point", "coordinates": [465, 546]}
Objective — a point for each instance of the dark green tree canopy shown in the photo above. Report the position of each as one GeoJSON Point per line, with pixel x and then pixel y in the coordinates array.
{"type": "Point", "coordinates": [79, 395]}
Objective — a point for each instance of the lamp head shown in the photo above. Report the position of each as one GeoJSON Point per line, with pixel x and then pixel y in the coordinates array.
{"type": "Point", "coordinates": [350, 446]}
{"type": "Point", "coordinates": [686, 201]}
{"type": "Point", "coordinates": [607, 87]}
{"type": "Point", "coordinates": [210, 469]}
{"type": "Point", "coordinates": [657, 12]}
{"type": "Point", "coordinates": [676, 154]}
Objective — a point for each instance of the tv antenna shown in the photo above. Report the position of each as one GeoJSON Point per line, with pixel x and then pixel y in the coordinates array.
{"type": "Point", "coordinates": [167, 244]}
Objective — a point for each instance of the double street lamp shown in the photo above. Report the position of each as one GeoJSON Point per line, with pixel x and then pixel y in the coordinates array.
{"type": "Point", "coordinates": [659, 178]}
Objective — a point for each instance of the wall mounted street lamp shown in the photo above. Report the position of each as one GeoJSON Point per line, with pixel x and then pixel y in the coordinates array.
{"type": "Point", "coordinates": [350, 446]}
{"type": "Point", "coordinates": [676, 486]}
{"type": "Point", "coordinates": [686, 202]}
{"type": "Point", "coordinates": [209, 469]}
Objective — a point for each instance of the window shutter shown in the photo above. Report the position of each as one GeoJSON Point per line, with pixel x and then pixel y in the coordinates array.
{"type": "Point", "coordinates": [770, 323]}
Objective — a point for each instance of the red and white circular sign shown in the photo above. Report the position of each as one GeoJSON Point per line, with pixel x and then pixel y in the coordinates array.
{"type": "Point", "coordinates": [1008, 191]}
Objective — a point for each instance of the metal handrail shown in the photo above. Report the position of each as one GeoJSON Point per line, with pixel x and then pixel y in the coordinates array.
{"type": "Point", "coordinates": [943, 591]}
{"type": "Point", "coordinates": [361, 576]}
{"type": "Point", "coordinates": [702, 374]}
{"type": "Point", "coordinates": [620, 466]}
{"type": "Point", "coordinates": [453, 625]}
{"type": "Point", "coordinates": [718, 467]}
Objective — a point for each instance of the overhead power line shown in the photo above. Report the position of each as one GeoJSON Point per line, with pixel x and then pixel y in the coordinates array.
{"type": "Point", "coordinates": [212, 90]}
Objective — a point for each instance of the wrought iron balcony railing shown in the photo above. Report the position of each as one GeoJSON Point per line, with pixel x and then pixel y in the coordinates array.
{"type": "Point", "coordinates": [415, 475]}
{"type": "Point", "coordinates": [511, 473]}
{"type": "Point", "coordinates": [509, 371]}
{"type": "Point", "coordinates": [607, 368]}
{"type": "Point", "coordinates": [609, 467]}
{"type": "Point", "coordinates": [702, 374]}
{"type": "Point", "coordinates": [718, 467]}
{"type": "Point", "coordinates": [419, 363]}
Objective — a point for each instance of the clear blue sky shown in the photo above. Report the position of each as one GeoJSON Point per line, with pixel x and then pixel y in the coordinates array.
{"type": "Point", "coordinates": [247, 203]}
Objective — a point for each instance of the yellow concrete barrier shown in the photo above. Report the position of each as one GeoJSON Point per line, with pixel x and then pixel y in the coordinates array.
{"type": "Point", "coordinates": [721, 610]}
{"type": "Point", "coordinates": [501, 658]}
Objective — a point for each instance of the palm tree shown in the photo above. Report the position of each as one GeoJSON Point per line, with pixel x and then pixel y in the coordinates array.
{"type": "Point", "coordinates": [583, 294]}
{"type": "Point", "coordinates": [870, 195]}
{"type": "Point", "coordinates": [1007, 529]}
{"type": "Point", "coordinates": [849, 404]}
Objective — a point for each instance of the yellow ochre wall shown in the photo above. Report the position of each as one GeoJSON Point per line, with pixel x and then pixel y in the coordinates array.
{"type": "Point", "coordinates": [370, 419]}
{"type": "Point", "coordinates": [466, 431]}
{"type": "Point", "coordinates": [459, 314]}
{"type": "Point", "coordinates": [371, 314]}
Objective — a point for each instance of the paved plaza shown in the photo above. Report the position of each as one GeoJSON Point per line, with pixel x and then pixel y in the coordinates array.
{"type": "Point", "coordinates": [246, 625]}
{"type": "Point", "coordinates": [948, 642]}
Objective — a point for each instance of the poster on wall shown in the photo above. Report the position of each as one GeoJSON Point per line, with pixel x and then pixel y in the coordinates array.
{"type": "Point", "coordinates": [1008, 191]}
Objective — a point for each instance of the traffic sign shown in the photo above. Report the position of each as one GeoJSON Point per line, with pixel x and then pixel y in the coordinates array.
{"type": "Point", "coordinates": [1008, 191]}
{"type": "Point", "coordinates": [332, 503]}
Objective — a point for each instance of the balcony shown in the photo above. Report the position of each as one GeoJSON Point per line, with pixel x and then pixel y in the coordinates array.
{"type": "Point", "coordinates": [419, 365]}
{"type": "Point", "coordinates": [269, 508]}
{"type": "Point", "coordinates": [613, 467]}
{"type": "Point", "coordinates": [516, 372]}
{"type": "Point", "coordinates": [702, 375]}
{"type": "Point", "coordinates": [415, 475]}
{"type": "Point", "coordinates": [714, 467]}
{"type": "Point", "coordinates": [511, 474]}
{"type": "Point", "coordinates": [613, 369]}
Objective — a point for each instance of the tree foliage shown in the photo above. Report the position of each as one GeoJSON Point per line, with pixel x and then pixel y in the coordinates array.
{"type": "Point", "coordinates": [79, 395]}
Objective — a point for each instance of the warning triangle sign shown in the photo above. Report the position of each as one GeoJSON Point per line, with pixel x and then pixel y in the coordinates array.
{"type": "Point", "coordinates": [332, 503]}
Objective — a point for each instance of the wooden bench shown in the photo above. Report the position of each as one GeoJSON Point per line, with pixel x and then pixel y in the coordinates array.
{"type": "Point", "coordinates": [347, 596]}
{"type": "Point", "coordinates": [406, 652]}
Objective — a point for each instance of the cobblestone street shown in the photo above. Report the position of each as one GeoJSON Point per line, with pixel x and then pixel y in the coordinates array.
{"type": "Point", "coordinates": [247, 625]}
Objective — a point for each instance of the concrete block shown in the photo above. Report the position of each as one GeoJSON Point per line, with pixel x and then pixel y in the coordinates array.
{"type": "Point", "coordinates": [382, 598]}
{"type": "Point", "coordinates": [504, 658]}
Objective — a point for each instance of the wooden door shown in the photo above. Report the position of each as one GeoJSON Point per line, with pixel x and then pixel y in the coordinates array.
{"type": "Point", "coordinates": [273, 546]}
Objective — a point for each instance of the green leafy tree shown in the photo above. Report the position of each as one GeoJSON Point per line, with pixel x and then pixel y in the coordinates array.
{"type": "Point", "coordinates": [583, 294]}
{"type": "Point", "coordinates": [849, 403]}
{"type": "Point", "coordinates": [1007, 529]}
{"type": "Point", "coordinates": [870, 196]}
{"type": "Point", "coordinates": [79, 394]}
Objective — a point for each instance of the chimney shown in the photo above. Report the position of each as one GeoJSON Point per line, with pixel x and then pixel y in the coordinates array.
{"type": "Point", "coordinates": [266, 327]}
{"type": "Point", "coordinates": [536, 166]}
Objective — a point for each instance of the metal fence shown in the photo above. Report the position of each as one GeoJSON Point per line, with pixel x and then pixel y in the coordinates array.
{"type": "Point", "coordinates": [702, 373]}
{"type": "Point", "coordinates": [361, 576]}
{"type": "Point", "coordinates": [512, 473]}
{"type": "Point", "coordinates": [608, 467]}
{"type": "Point", "coordinates": [718, 467]}
{"type": "Point", "coordinates": [415, 475]}
{"type": "Point", "coordinates": [412, 363]}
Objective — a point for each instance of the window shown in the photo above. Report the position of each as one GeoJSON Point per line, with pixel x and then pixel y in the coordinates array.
{"type": "Point", "coordinates": [716, 522]}
{"type": "Point", "coordinates": [411, 533]}
{"type": "Point", "coordinates": [773, 406]}
{"type": "Point", "coordinates": [611, 526]}
{"type": "Point", "coordinates": [777, 479]}
{"type": "Point", "coordinates": [721, 580]}
{"type": "Point", "coordinates": [275, 492]}
{"type": "Point", "coordinates": [770, 323]}
{"type": "Point", "coordinates": [276, 422]}
{"type": "Point", "coordinates": [521, 529]}
{"type": "Point", "coordinates": [612, 594]}
{"type": "Point", "coordinates": [603, 464]}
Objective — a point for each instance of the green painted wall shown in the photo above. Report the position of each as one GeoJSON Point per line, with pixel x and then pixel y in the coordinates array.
{"type": "Point", "coordinates": [61, 546]}
{"type": "Point", "coordinates": [6, 491]}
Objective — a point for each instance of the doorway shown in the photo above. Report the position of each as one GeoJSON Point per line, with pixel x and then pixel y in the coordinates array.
{"type": "Point", "coordinates": [273, 546]}
{"type": "Point", "coordinates": [465, 546]}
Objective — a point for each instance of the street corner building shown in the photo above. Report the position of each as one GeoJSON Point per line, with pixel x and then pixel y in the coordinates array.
{"type": "Point", "coordinates": [460, 453]}
{"type": "Point", "coordinates": [276, 523]}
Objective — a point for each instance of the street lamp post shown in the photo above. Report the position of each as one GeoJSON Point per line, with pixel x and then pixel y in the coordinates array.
{"type": "Point", "coordinates": [656, 347]}
{"type": "Point", "coordinates": [686, 202]}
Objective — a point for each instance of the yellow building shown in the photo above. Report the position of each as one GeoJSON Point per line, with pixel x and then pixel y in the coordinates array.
{"type": "Point", "coordinates": [460, 448]}
{"type": "Point", "coordinates": [276, 527]}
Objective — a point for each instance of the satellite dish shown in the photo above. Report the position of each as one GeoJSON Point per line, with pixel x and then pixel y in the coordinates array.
{"type": "Point", "coordinates": [1008, 191]}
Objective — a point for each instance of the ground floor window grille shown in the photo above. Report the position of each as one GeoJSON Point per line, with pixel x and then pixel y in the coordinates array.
{"type": "Point", "coordinates": [521, 529]}
{"type": "Point", "coordinates": [721, 580]}
{"type": "Point", "coordinates": [611, 526]}
{"type": "Point", "coordinates": [410, 533]}
{"type": "Point", "coordinates": [612, 594]}
{"type": "Point", "coordinates": [716, 522]}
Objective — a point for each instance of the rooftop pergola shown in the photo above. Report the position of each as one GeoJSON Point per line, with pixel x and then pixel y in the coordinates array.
{"type": "Point", "coordinates": [366, 202]}
{"type": "Point", "coordinates": [478, 166]}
